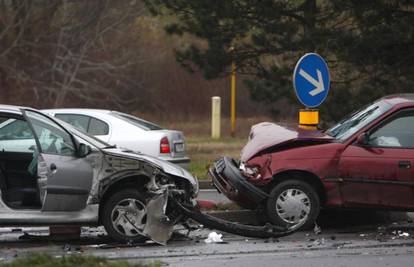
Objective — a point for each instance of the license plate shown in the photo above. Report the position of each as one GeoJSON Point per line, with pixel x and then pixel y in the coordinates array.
{"type": "Point", "coordinates": [179, 147]}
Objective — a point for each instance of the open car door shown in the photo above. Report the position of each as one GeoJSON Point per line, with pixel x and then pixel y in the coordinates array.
{"type": "Point", "coordinates": [64, 179]}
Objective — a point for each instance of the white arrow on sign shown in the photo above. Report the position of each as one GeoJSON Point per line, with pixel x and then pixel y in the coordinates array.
{"type": "Point", "coordinates": [317, 83]}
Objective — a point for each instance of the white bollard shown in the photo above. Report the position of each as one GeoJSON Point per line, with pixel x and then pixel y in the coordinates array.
{"type": "Point", "coordinates": [215, 117]}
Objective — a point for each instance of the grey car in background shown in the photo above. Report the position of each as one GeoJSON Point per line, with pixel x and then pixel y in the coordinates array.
{"type": "Point", "coordinates": [51, 174]}
{"type": "Point", "coordinates": [124, 130]}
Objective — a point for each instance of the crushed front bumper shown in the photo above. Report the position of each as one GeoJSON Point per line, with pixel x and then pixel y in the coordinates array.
{"type": "Point", "coordinates": [228, 180]}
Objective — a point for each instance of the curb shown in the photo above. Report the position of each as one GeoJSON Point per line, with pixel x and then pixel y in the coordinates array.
{"type": "Point", "coordinates": [205, 184]}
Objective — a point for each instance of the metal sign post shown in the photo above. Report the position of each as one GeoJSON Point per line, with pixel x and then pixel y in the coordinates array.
{"type": "Point", "coordinates": [233, 100]}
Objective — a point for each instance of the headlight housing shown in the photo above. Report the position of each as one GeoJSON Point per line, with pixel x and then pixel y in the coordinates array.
{"type": "Point", "coordinates": [251, 172]}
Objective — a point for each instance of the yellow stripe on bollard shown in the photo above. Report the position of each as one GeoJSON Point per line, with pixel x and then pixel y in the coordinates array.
{"type": "Point", "coordinates": [308, 119]}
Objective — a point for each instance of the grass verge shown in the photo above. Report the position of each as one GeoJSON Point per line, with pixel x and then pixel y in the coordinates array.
{"type": "Point", "coordinates": [44, 260]}
{"type": "Point", "coordinates": [203, 150]}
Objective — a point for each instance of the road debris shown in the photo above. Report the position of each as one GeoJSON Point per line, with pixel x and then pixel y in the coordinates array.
{"type": "Point", "coordinates": [400, 233]}
{"type": "Point", "coordinates": [382, 230]}
{"type": "Point", "coordinates": [213, 237]}
{"type": "Point", "coordinates": [158, 227]}
{"type": "Point", "coordinates": [317, 229]}
{"type": "Point", "coordinates": [68, 248]}
{"type": "Point", "coordinates": [212, 222]}
{"type": "Point", "coordinates": [317, 242]}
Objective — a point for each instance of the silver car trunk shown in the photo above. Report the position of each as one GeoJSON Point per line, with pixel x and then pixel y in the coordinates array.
{"type": "Point", "coordinates": [177, 142]}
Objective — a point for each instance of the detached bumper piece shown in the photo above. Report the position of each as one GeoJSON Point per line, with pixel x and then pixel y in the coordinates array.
{"type": "Point", "coordinates": [228, 180]}
{"type": "Point", "coordinates": [212, 222]}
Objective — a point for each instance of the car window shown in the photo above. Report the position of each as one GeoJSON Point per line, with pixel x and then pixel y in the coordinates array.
{"type": "Point", "coordinates": [16, 136]}
{"type": "Point", "coordinates": [15, 129]}
{"type": "Point", "coordinates": [80, 122]}
{"type": "Point", "coordinates": [357, 120]}
{"type": "Point", "coordinates": [84, 136]}
{"type": "Point", "coordinates": [53, 139]}
{"type": "Point", "coordinates": [398, 131]}
{"type": "Point", "coordinates": [98, 127]}
{"type": "Point", "coordinates": [143, 124]}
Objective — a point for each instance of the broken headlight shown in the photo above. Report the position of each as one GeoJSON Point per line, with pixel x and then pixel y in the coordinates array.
{"type": "Point", "coordinates": [251, 172]}
{"type": "Point", "coordinates": [164, 180]}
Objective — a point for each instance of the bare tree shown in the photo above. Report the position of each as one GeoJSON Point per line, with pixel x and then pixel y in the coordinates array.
{"type": "Point", "coordinates": [52, 51]}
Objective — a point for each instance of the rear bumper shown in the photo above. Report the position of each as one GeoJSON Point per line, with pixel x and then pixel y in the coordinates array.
{"type": "Point", "coordinates": [229, 181]}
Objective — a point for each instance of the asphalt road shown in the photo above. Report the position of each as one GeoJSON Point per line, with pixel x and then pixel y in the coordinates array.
{"type": "Point", "coordinates": [360, 243]}
{"type": "Point", "coordinates": [213, 195]}
{"type": "Point", "coordinates": [334, 247]}
{"type": "Point", "coordinates": [348, 238]}
{"type": "Point", "coordinates": [361, 256]}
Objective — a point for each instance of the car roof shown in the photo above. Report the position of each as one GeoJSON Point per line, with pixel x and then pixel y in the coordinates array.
{"type": "Point", "coordinates": [78, 110]}
{"type": "Point", "coordinates": [398, 99]}
{"type": "Point", "coordinates": [4, 107]}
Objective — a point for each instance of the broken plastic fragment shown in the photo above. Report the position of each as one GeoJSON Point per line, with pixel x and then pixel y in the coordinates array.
{"type": "Point", "coordinates": [403, 234]}
{"type": "Point", "coordinates": [400, 233]}
{"type": "Point", "coordinates": [317, 230]}
{"type": "Point", "coordinates": [213, 237]}
{"type": "Point", "coordinates": [158, 226]}
{"type": "Point", "coordinates": [319, 242]}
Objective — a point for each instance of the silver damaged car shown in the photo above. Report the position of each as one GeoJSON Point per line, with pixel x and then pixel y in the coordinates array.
{"type": "Point", "coordinates": [51, 174]}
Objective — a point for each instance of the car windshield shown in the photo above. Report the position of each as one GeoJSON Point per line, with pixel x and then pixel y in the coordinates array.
{"type": "Point", "coordinates": [88, 138]}
{"type": "Point", "coordinates": [143, 124]}
{"type": "Point", "coordinates": [357, 120]}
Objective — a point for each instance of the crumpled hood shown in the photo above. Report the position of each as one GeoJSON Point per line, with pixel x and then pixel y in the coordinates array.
{"type": "Point", "coordinates": [266, 134]}
{"type": "Point", "coordinates": [166, 166]}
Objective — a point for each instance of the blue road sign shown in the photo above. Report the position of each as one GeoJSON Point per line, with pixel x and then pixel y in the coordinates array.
{"type": "Point", "coordinates": [311, 80]}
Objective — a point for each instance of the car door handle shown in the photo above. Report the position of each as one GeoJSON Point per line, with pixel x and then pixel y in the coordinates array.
{"type": "Point", "coordinates": [53, 168]}
{"type": "Point", "coordinates": [404, 164]}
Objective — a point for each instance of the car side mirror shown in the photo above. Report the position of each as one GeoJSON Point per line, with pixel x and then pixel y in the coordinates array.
{"type": "Point", "coordinates": [84, 150]}
{"type": "Point", "coordinates": [362, 139]}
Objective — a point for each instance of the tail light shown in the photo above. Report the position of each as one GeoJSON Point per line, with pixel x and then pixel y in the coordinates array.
{"type": "Point", "coordinates": [164, 145]}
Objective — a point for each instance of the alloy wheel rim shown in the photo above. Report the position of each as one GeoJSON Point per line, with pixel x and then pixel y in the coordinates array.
{"type": "Point", "coordinates": [129, 217]}
{"type": "Point", "coordinates": [293, 207]}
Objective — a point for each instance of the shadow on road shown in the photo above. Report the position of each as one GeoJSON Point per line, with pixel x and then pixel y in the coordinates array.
{"type": "Point", "coordinates": [346, 220]}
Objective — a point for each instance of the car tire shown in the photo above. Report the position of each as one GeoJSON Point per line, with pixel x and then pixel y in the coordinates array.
{"type": "Point", "coordinates": [293, 204]}
{"type": "Point", "coordinates": [124, 216]}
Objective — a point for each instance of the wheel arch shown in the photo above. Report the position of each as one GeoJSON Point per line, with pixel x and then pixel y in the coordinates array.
{"type": "Point", "coordinates": [131, 181]}
{"type": "Point", "coordinates": [302, 175]}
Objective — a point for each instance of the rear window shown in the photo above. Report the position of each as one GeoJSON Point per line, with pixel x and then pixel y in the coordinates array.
{"type": "Point", "coordinates": [85, 123]}
{"type": "Point", "coordinates": [146, 125]}
{"type": "Point", "coordinates": [97, 127]}
{"type": "Point", "coordinates": [80, 122]}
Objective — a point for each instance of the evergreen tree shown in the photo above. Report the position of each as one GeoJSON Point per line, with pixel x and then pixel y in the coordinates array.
{"type": "Point", "coordinates": [368, 44]}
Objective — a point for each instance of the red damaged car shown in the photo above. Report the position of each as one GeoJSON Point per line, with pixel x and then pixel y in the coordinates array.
{"type": "Point", "coordinates": [362, 162]}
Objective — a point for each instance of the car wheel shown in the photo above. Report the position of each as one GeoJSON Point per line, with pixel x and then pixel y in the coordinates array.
{"type": "Point", "coordinates": [293, 204]}
{"type": "Point", "coordinates": [124, 216]}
